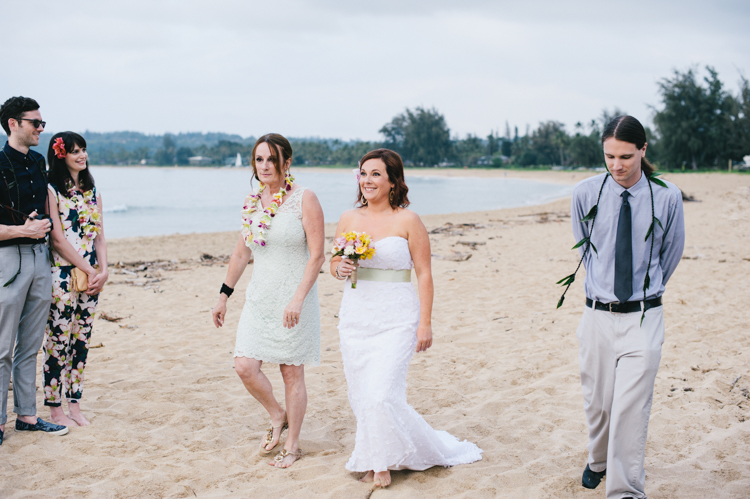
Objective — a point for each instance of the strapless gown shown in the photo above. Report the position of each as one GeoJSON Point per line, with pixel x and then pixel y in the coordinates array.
{"type": "Point", "coordinates": [377, 328]}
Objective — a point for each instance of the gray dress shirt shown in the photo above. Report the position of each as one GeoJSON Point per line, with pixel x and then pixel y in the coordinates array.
{"type": "Point", "coordinates": [599, 283]}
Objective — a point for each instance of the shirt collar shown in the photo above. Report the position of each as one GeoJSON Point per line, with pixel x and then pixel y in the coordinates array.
{"type": "Point", "coordinates": [634, 190]}
{"type": "Point", "coordinates": [15, 155]}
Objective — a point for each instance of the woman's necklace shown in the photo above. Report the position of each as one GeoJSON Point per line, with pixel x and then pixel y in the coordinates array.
{"type": "Point", "coordinates": [253, 204]}
{"type": "Point", "coordinates": [88, 214]}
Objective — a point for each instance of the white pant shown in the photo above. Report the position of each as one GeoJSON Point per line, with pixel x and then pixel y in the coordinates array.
{"type": "Point", "coordinates": [619, 359]}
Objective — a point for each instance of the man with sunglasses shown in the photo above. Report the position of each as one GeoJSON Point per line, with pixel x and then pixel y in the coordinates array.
{"type": "Point", "coordinates": [25, 276]}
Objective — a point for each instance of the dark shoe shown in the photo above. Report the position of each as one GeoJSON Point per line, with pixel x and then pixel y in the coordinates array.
{"type": "Point", "coordinates": [41, 425]}
{"type": "Point", "coordinates": [1, 437]}
{"type": "Point", "coordinates": [591, 479]}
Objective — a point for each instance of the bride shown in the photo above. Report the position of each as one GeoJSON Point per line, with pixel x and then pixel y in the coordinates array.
{"type": "Point", "coordinates": [383, 323]}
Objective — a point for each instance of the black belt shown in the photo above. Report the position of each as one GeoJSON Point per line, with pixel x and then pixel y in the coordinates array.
{"type": "Point", "coordinates": [627, 307]}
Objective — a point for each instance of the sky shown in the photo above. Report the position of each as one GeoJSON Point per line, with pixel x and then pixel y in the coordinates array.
{"type": "Point", "coordinates": [344, 68]}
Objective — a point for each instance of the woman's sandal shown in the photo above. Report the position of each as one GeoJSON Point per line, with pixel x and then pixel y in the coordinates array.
{"type": "Point", "coordinates": [269, 436]}
{"type": "Point", "coordinates": [284, 453]}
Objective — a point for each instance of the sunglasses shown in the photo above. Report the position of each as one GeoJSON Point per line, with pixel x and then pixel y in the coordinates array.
{"type": "Point", "coordinates": [36, 123]}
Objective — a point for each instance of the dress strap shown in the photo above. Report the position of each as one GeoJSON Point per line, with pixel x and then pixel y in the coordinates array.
{"type": "Point", "coordinates": [294, 203]}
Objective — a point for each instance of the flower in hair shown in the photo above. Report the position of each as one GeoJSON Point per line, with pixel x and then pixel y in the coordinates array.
{"type": "Point", "coordinates": [59, 148]}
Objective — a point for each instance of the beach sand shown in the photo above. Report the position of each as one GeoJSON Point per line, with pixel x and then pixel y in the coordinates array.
{"type": "Point", "coordinates": [171, 419]}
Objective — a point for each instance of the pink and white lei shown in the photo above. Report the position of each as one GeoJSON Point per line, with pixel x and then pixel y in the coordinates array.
{"type": "Point", "coordinates": [253, 204]}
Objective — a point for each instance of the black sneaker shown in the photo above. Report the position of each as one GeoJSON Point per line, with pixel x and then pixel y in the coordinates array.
{"type": "Point", "coordinates": [1, 437]}
{"type": "Point", "coordinates": [41, 425]}
{"type": "Point", "coordinates": [592, 479]}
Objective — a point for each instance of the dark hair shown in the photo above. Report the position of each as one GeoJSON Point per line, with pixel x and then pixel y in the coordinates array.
{"type": "Point", "coordinates": [395, 169]}
{"type": "Point", "coordinates": [59, 175]}
{"type": "Point", "coordinates": [628, 129]}
{"type": "Point", "coordinates": [14, 108]}
{"type": "Point", "coordinates": [273, 140]}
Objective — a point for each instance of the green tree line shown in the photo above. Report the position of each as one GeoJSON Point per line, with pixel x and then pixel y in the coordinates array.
{"type": "Point", "coordinates": [698, 124]}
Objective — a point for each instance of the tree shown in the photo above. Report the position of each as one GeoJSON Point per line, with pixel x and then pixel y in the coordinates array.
{"type": "Point", "coordinates": [548, 143]}
{"type": "Point", "coordinates": [469, 150]}
{"type": "Point", "coordinates": [492, 143]}
{"type": "Point", "coordinates": [739, 143]}
{"type": "Point", "coordinates": [420, 136]}
{"type": "Point", "coordinates": [166, 155]}
{"type": "Point", "coordinates": [585, 149]}
{"type": "Point", "coordinates": [697, 124]}
{"type": "Point", "coordinates": [507, 143]}
{"type": "Point", "coordinates": [182, 155]}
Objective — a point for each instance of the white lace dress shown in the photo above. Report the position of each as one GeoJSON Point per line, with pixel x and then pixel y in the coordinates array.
{"type": "Point", "coordinates": [378, 326]}
{"type": "Point", "coordinates": [277, 273]}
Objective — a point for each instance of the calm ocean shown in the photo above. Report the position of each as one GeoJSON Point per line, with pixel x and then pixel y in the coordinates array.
{"type": "Point", "coordinates": [142, 201]}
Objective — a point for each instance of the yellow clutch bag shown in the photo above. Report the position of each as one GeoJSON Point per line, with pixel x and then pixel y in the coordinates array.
{"type": "Point", "coordinates": [79, 279]}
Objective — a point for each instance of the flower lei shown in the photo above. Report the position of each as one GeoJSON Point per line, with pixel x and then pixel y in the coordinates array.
{"type": "Point", "coordinates": [89, 217]}
{"type": "Point", "coordinates": [59, 147]}
{"type": "Point", "coordinates": [252, 204]}
{"type": "Point", "coordinates": [591, 216]}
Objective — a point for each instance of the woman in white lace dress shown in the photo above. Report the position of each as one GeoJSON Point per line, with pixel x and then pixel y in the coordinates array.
{"type": "Point", "coordinates": [382, 323]}
{"type": "Point", "coordinates": [280, 323]}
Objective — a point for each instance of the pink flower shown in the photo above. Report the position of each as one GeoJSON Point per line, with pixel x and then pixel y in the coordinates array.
{"type": "Point", "coordinates": [59, 148]}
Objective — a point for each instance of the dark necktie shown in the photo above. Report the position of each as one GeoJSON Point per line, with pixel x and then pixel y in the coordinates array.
{"type": "Point", "coordinates": [624, 253]}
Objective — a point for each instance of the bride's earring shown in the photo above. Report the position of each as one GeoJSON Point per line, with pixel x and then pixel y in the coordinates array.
{"type": "Point", "coordinates": [390, 196]}
{"type": "Point", "coordinates": [364, 201]}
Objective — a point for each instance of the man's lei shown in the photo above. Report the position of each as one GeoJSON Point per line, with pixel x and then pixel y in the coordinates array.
{"type": "Point", "coordinates": [253, 204]}
{"type": "Point", "coordinates": [591, 217]}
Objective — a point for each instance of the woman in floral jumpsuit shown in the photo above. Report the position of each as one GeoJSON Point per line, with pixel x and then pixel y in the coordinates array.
{"type": "Point", "coordinates": [77, 239]}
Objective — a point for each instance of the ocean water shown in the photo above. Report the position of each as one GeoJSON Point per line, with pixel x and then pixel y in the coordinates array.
{"type": "Point", "coordinates": [143, 201]}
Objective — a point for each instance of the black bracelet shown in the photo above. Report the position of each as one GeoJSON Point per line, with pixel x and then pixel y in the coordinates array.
{"type": "Point", "coordinates": [226, 290]}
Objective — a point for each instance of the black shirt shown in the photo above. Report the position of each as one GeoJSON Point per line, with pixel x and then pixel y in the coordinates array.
{"type": "Point", "coordinates": [30, 192]}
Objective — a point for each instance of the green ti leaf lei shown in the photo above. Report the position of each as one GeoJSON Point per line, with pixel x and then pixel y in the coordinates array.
{"type": "Point", "coordinates": [591, 217]}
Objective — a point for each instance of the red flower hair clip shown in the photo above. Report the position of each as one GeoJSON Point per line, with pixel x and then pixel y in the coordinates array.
{"type": "Point", "coordinates": [59, 148]}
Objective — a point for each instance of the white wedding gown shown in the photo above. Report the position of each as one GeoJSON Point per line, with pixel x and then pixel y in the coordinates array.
{"type": "Point", "coordinates": [378, 325]}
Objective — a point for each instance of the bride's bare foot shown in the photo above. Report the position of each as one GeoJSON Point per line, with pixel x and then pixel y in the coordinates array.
{"type": "Point", "coordinates": [75, 414]}
{"type": "Point", "coordinates": [382, 478]}
{"type": "Point", "coordinates": [57, 416]}
{"type": "Point", "coordinates": [368, 477]}
{"type": "Point", "coordinates": [278, 426]}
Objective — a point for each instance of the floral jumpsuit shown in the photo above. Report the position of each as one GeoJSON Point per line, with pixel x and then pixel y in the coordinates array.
{"type": "Point", "coordinates": [71, 314]}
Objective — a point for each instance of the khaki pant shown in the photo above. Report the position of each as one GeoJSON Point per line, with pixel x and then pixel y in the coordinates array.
{"type": "Point", "coordinates": [24, 307]}
{"type": "Point", "coordinates": [619, 359]}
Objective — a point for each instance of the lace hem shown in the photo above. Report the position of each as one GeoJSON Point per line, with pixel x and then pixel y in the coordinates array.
{"type": "Point", "coordinates": [470, 453]}
{"type": "Point", "coordinates": [277, 360]}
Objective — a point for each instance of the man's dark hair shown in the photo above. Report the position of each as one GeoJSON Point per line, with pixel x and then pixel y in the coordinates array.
{"type": "Point", "coordinates": [14, 108]}
{"type": "Point", "coordinates": [628, 129]}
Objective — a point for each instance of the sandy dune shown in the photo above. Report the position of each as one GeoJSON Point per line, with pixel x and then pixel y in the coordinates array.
{"type": "Point", "coordinates": [171, 419]}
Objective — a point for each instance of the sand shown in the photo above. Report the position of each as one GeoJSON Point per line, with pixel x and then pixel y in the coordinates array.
{"type": "Point", "coordinates": [171, 419]}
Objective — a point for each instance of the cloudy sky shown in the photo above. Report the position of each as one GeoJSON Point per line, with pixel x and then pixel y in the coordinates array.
{"type": "Point", "coordinates": [343, 68]}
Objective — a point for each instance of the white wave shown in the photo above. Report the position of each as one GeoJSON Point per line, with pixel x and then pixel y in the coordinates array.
{"type": "Point", "coordinates": [118, 208]}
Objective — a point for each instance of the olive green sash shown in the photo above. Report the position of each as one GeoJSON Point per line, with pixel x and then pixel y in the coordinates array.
{"type": "Point", "coordinates": [383, 275]}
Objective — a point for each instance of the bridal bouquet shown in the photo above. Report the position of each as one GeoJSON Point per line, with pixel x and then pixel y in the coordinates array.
{"type": "Point", "coordinates": [354, 246]}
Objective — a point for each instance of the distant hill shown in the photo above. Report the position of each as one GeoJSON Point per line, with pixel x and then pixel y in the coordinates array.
{"type": "Point", "coordinates": [125, 147]}
{"type": "Point", "coordinates": [98, 142]}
